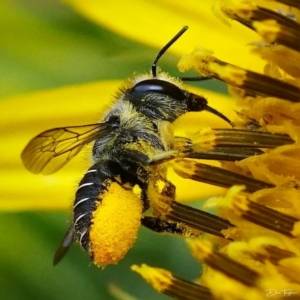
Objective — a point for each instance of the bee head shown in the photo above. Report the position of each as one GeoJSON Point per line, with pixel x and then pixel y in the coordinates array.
{"type": "Point", "coordinates": [162, 97]}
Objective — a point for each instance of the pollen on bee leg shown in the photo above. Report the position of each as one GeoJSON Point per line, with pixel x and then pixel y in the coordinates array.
{"type": "Point", "coordinates": [115, 224]}
{"type": "Point", "coordinates": [161, 194]}
{"type": "Point", "coordinates": [164, 282]}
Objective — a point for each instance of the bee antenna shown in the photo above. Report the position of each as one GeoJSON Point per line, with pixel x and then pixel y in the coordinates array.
{"type": "Point", "coordinates": [197, 78]}
{"type": "Point", "coordinates": [165, 48]}
{"type": "Point", "coordinates": [217, 113]}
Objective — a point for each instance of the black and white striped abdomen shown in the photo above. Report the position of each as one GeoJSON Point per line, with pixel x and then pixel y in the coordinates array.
{"type": "Point", "coordinates": [93, 184]}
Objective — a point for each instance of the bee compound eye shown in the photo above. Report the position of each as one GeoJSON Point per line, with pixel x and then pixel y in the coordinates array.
{"type": "Point", "coordinates": [159, 86]}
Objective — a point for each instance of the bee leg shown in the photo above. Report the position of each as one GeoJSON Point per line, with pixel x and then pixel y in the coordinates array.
{"type": "Point", "coordinates": [138, 156]}
{"type": "Point", "coordinates": [163, 156]}
{"type": "Point", "coordinates": [188, 220]}
{"type": "Point", "coordinates": [158, 225]}
{"type": "Point", "coordinates": [145, 200]}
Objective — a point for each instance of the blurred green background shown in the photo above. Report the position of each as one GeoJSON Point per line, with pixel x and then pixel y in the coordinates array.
{"type": "Point", "coordinates": [44, 44]}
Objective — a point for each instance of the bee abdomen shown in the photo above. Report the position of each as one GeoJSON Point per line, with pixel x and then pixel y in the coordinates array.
{"type": "Point", "coordinates": [103, 196]}
{"type": "Point", "coordinates": [88, 194]}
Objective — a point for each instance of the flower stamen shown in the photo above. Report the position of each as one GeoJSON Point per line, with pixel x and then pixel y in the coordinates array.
{"type": "Point", "coordinates": [274, 27]}
{"type": "Point", "coordinates": [261, 85]}
{"type": "Point", "coordinates": [198, 219]}
{"type": "Point", "coordinates": [222, 263]}
{"type": "Point", "coordinates": [273, 254]}
{"type": "Point", "coordinates": [263, 216]}
{"type": "Point", "coordinates": [293, 3]}
{"type": "Point", "coordinates": [228, 144]}
{"type": "Point", "coordinates": [164, 282]}
{"type": "Point", "coordinates": [216, 176]}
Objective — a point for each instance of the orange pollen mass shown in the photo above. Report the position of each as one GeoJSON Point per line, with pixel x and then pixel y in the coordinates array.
{"type": "Point", "coordinates": [116, 221]}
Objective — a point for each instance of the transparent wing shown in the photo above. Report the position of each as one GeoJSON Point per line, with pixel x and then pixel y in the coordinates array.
{"type": "Point", "coordinates": [52, 149]}
{"type": "Point", "coordinates": [64, 246]}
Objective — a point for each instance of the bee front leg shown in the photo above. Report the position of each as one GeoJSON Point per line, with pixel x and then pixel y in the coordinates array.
{"type": "Point", "coordinates": [138, 156]}
{"type": "Point", "coordinates": [163, 156]}
{"type": "Point", "coordinates": [174, 217]}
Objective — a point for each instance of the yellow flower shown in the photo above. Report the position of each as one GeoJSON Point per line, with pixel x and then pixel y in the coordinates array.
{"type": "Point", "coordinates": [152, 24]}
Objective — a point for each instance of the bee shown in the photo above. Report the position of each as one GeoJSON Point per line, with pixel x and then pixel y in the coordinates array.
{"type": "Point", "coordinates": [133, 144]}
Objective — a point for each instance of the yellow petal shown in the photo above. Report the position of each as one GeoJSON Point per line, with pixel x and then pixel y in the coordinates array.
{"type": "Point", "coordinates": [155, 22]}
{"type": "Point", "coordinates": [28, 115]}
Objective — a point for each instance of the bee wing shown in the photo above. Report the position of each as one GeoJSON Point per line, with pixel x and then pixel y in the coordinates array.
{"type": "Point", "coordinates": [52, 149]}
{"type": "Point", "coordinates": [64, 246]}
